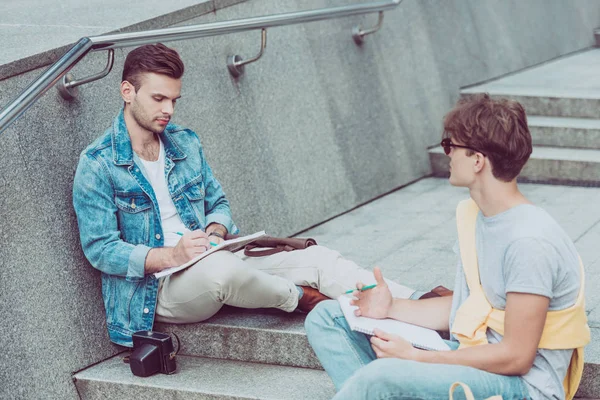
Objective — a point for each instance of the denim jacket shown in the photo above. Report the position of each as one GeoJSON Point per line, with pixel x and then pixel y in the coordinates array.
{"type": "Point", "coordinates": [119, 220]}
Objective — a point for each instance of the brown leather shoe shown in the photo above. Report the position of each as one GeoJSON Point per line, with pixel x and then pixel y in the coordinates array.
{"type": "Point", "coordinates": [438, 291]}
{"type": "Point", "coordinates": [310, 299]}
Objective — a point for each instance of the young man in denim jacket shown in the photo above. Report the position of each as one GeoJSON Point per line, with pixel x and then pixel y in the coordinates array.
{"type": "Point", "coordinates": [147, 200]}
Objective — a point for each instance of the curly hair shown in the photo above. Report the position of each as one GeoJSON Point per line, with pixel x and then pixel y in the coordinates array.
{"type": "Point", "coordinates": [496, 127]}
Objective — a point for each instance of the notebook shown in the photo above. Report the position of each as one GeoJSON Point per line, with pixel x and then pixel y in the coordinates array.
{"type": "Point", "coordinates": [420, 337]}
{"type": "Point", "coordinates": [232, 245]}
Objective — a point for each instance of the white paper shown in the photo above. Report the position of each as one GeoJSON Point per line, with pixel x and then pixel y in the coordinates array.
{"type": "Point", "coordinates": [232, 245]}
{"type": "Point", "coordinates": [418, 336]}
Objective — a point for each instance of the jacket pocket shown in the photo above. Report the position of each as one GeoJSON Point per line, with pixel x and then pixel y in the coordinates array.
{"type": "Point", "coordinates": [133, 214]}
{"type": "Point", "coordinates": [194, 193]}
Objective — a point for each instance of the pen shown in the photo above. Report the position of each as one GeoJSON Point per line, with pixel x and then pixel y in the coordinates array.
{"type": "Point", "coordinates": [213, 244]}
{"type": "Point", "coordinates": [363, 289]}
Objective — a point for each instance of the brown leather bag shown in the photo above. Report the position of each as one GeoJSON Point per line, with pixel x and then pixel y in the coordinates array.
{"type": "Point", "coordinates": [271, 245]}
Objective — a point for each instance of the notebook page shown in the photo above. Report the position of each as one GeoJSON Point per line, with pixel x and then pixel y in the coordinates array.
{"type": "Point", "coordinates": [419, 337]}
{"type": "Point", "coordinates": [232, 245]}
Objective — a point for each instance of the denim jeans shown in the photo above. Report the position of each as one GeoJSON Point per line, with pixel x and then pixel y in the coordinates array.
{"type": "Point", "coordinates": [356, 372]}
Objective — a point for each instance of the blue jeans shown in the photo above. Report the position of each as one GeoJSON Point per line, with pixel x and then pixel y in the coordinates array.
{"type": "Point", "coordinates": [357, 373]}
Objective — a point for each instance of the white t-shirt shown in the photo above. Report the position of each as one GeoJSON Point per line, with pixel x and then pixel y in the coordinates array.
{"type": "Point", "coordinates": [169, 218]}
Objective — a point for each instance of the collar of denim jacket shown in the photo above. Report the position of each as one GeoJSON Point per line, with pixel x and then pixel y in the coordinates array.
{"type": "Point", "coordinates": [121, 142]}
{"type": "Point", "coordinates": [172, 150]}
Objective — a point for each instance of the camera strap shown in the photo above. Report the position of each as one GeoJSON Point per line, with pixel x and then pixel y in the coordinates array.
{"type": "Point", "coordinates": [173, 354]}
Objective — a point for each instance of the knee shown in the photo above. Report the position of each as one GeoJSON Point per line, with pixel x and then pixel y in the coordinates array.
{"type": "Point", "coordinates": [322, 257]}
{"type": "Point", "coordinates": [322, 315]}
{"type": "Point", "coordinates": [218, 269]}
{"type": "Point", "coordinates": [322, 252]}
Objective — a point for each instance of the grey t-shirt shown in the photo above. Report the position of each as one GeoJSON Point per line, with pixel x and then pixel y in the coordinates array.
{"type": "Point", "coordinates": [524, 250]}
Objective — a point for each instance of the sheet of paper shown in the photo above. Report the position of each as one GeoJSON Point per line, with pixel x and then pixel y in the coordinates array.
{"type": "Point", "coordinates": [424, 338]}
{"type": "Point", "coordinates": [232, 245]}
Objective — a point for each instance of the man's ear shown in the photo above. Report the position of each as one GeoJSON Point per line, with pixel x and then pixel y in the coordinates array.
{"type": "Point", "coordinates": [127, 91]}
{"type": "Point", "coordinates": [480, 161]}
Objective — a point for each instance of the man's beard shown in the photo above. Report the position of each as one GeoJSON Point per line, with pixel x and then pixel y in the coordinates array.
{"type": "Point", "coordinates": [142, 119]}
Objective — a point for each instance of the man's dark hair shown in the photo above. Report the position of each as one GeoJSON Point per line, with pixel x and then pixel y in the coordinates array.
{"type": "Point", "coordinates": [497, 128]}
{"type": "Point", "coordinates": [154, 58]}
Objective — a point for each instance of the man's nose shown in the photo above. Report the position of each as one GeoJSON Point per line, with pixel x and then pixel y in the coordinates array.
{"type": "Point", "coordinates": [168, 107]}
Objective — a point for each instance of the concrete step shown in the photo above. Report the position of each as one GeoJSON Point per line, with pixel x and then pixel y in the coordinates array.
{"type": "Point", "coordinates": [203, 378]}
{"type": "Point", "coordinates": [267, 336]}
{"type": "Point", "coordinates": [565, 166]}
{"type": "Point", "coordinates": [544, 103]}
{"type": "Point", "coordinates": [590, 381]}
{"type": "Point", "coordinates": [278, 338]}
{"type": "Point", "coordinates": [565, 132]}
{"type": "Point", "coordinates": [566, 87]}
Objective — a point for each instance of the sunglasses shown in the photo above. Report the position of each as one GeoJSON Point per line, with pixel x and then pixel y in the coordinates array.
{"type": "Point", "coordinates": [447, 145]}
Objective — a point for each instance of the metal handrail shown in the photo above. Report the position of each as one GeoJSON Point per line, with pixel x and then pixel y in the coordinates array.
{"type": "Point", "coordinates": [105, 42]}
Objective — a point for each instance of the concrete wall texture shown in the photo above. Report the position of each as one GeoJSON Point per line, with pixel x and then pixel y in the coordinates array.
{"type": "Point", "coordinates": [314, 128]}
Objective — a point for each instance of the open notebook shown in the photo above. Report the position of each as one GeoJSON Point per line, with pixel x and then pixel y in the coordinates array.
{"type": "Point", "coordinates": [232, 245]}
{"type": "Point", "coordinates": [420, 337]}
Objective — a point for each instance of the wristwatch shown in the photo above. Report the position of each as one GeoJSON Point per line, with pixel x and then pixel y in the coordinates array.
{"type": "Point", "coordinates": [217, 234]}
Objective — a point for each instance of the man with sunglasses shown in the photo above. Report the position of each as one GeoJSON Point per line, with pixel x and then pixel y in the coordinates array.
{"type": "Point", "coordinates": [517, 315]}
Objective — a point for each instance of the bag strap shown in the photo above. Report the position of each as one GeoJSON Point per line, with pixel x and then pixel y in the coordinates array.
{"type": "Point", "coordinates": [250, 252]}
{"type": "Point", "coordinates": [273, 245]}
{"type": "Point", "coordinates": [468, 392]}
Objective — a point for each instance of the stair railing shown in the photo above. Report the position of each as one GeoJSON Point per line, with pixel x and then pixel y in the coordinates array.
{"type": "Point", "coordinates": [57, 72]}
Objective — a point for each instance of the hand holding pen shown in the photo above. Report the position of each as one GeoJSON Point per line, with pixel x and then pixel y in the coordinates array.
{"type": "Point", "coordinates": [373, 301]}
{"type": "Point", "coordinates": [190, 245]}
{"type": "Point", "coordinates": [362, 289]}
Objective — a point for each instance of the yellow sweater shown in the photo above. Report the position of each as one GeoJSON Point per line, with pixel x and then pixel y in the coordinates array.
{"type": "Point", "coordinates": [564, 329]}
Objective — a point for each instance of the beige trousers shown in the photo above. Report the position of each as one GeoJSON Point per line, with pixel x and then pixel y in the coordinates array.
{"type": "Point", "coordinates": [198, 292]}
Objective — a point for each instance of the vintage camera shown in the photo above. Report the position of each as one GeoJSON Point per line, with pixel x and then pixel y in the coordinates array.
{"type": "Point", "coordinates": [152, 352]}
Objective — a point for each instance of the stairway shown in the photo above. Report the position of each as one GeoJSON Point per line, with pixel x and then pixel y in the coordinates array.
{"type": "Point", "coordinates": [562, 101]}
{"type": "Point", "coordinates": [237, 354]}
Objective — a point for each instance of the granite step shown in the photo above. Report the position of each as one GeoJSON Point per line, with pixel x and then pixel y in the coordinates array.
{"type": "Point", "coordinates": [568, 86]}
{"type": "Point", "coordinates": [267, 336]}
{"type": "Point", "coordinates": [565, 132]}
{"type": "Point", "coordinates": [278, 338]}
{"type": "Point", "coordinates": [204, 378]}
{"type": "Point", "coordinates": [554, 165]}
{"type": "Point", "coordinates": [547, 103]}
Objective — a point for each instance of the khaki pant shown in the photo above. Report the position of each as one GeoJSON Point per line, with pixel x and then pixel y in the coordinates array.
{"type": "Point", "coordinates": [198, 292]}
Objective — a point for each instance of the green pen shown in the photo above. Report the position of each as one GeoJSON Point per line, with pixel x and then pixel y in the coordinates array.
{"type": "Point", "coordinates": [213, 244]}
{"type": "Point", "coordinates": [363, 289]}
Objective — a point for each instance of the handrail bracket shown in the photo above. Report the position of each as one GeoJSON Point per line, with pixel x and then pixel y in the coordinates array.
{"type": "Point", "coordinates": [235, 63]}
{"type": "Point", "coordinates": [67, 87]}
{"type": "Point", "coordinates": [358, 34]}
